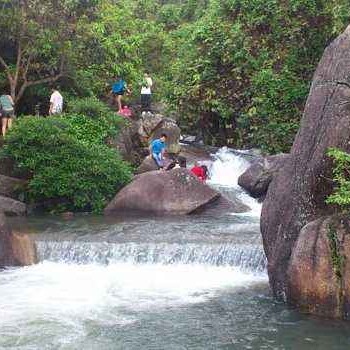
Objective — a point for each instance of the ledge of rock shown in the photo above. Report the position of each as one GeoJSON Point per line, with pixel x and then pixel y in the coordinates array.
{"type": "Point", "coordinates": [163, 192]}
{"type": "Point", "coordinates": [12, 207]}
{"type": "Point", "coordinates": [257, 178]}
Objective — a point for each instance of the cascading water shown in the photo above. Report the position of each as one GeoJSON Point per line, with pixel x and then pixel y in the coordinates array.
{"type": "Point", "coordinates": [195, 282]}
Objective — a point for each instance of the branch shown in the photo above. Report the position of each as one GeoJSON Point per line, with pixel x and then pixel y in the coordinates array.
{"type": "Point", "coordinates": [7, 69]}
{"type": "Point", "coordinates": [26, 84]}
{"type": "Point", "coordinates": [18, 62]}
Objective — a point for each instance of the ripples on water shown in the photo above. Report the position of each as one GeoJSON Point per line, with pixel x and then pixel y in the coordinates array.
{"type": "Point", "coordinates": [155, 283]}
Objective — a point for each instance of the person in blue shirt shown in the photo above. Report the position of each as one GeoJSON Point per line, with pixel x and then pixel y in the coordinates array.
{"type": "Point", "coordinates": [157, 149]}
{"type": "Point", "coordinates": [118, 90]}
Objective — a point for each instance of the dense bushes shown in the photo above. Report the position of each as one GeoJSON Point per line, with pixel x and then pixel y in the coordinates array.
{"type": "Point", "coordinates": [71, 167]}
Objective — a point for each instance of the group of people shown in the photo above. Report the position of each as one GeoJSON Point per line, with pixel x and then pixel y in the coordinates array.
{"type": "Point", "coordinates": [120, 88]}
{"type": "Point", "coordinates": [7, 109]}
{"type": "Point", "coordinates": [157, 151]}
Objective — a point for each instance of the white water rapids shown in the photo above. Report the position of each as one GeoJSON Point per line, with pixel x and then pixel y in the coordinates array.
{"type": "Point", "coordinates": [80, 289]}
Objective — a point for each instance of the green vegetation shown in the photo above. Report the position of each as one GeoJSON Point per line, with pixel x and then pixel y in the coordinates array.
{"type": "Point", "coordinates": [341, 177]}
{"type": "Point", "coordinates": [334, 245]}
{"type": "Point", "coordinates": [70, 165]}
{"type": "Point", "coordinates": [238, 70]}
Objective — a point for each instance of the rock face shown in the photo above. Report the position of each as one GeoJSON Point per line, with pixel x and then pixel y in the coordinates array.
{"type": "Point", "coordinates": [134, 138]}
{"type": "Point", "coordinates": [297, 194]}
{"type": "Point", "coordinates": [257, 178]}
{"type": "Point", "coordinates": [148, 164]}
{"type": "Point", "coordinates": [15, 249]}
{"type": "Point", "coordinates": [169, 192]}
{"type": "Point", "coordinates": [12, 207]}
{"type": "Point", "coordinates": [319, 268]}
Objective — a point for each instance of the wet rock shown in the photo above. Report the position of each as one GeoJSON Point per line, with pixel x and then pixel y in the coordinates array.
{"type": "Point", "coordinates": [24, 250]}
{"type": "Point", "coordinates": [10, 186]}
{"type": "Point", "coordinates": [319, 269]}
{"type": "Point", "coordinates": [257, 178]}
{"type": "Point", "coordinates": [163, 192]}
{"type": "Point", "coordinates": [297, 194]}
{"type": "Point", "coordinates": [12, 207]}
{"type": "Point", "coordinates": [6, 254]}
{"type": "Point", "coordinates": [15, 249]}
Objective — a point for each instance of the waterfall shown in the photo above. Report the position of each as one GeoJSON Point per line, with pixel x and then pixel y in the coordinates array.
{"type": "Point", "coordinates": [227, 167]}
{"type": "Point", "coordinates": [249, 258]}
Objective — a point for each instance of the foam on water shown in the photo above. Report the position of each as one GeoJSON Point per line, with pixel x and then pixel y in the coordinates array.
{"type": "Point", "coordinates": [51, 297]}
{"type": "Point", "coordinates": [225, 171]}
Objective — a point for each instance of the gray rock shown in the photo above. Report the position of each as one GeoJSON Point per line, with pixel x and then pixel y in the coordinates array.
{"type": "Point", "coordinates": [163, 192]}
{"type": "Point", "coordinates": [12, 207]}
{"type": "Point", "coordinates": [257, 178]}
{"type": "Point", "coordinates": [297, 195]}
{"type": "Point", "coordinates": [10, 186]}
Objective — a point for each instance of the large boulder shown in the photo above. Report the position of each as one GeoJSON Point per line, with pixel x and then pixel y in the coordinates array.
{"type": "Point", "coordinates": [163, 192]}
{"type": "Point", "coordinates": [133, 140]}
{"type": "Point", "coordinates": [10, 186]}
{"type": "Point", "coordinates": [148, 164]}
{"type": "Point", "coordinates": [257, 178]}
{"type": "Point", "coordinates": [15, 249]}
{"type": "Point", "coordinates": [12, 207]}
{"type": "Point", "coordinates": [319, 268]}
{"type": "Point", "coordinates": [297, 194]}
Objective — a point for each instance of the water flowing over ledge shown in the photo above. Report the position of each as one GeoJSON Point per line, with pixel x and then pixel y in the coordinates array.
{"type": "Point", "coordinates": [247, 257]}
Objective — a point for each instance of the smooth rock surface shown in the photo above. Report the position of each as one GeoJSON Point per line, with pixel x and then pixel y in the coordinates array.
{"type": "Point", "coordinates": [6, 253]}
{"type": "Point", "coordinates": [163, 192]}
{"type": "Point", "coordinates": [297, 195]}
{"type": "Point", "coordinates": [257, 178]}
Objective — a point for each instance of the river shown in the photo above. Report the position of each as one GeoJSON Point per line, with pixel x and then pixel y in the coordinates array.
{"type": "Point", "coordinates": [195, 282]}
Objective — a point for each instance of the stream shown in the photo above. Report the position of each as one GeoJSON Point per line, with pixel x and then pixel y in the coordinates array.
{"type": "Point", "coordinates": [149, 283]}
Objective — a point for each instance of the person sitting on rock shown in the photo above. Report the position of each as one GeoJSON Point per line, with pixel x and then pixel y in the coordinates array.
{"type": "Point", "coordinates": [157, 149]}
{"type": "Point", "coordinates": [198, 171]}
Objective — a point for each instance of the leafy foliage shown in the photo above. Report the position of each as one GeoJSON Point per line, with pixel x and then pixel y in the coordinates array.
{"type": "Point", "coordinates": [71, 167]}
{"type": "Point", "coordinates": [341, 176]}
{"type": "Point", "coordinates": [238, 70]}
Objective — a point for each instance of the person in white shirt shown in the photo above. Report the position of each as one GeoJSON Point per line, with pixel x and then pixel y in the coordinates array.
{"type": "Point", "coordinates": [146, 93]}
{"type": "Point", "coordinates": [56, 103]}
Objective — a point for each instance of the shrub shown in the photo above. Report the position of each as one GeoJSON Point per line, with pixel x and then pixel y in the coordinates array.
{"type": "Point", "coordinates": [109, 123]}
{"type": "Point", "coordinates": [341, 177]}
{"type": "Point", "coordinates": [70, 169]}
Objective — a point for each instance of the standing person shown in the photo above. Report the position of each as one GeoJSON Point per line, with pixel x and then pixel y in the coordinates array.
{"type": "Point", "coordinates": [146, 93]}
{"type": "Point", "coordinates": [118, 90]}
{"type": "Point", "coordinates": [6, 112]}
{"type": "Point", "coordinates": [56, 102]}
{"type": "Point", "coordinates": [157, 149]}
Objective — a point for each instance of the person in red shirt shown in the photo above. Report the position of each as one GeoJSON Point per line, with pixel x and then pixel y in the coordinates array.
{"type": "Point", "coordinates": [198, 171]}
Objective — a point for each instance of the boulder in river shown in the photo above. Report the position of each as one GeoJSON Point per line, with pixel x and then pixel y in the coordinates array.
{"type": "Point", "coordinates": [12, 207]}
{"type": "Point", "coordinates": [163, 192]}
{"type": "Point", "coordinates": [9, 186]}
{"type": "Point", "coordinates": [15, 249]}
{"type": "Point", "coordinates": [297, 194]}
{"type": "Point", "coordinates": [257, 178]}
{"type": "Point", "coordinates": [319, 268]}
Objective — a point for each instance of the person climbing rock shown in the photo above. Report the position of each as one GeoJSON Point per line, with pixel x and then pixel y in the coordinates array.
{"type": "Point", "coordinates": [157, 149]}
{"type": "Point", "coordinates": [6, 112]}
{"type": "Point", "coordinates": [119, 88]}
{"type": "Point", "coordinates": [146, 93]}
{"type": "Point", "coordinates": [56, 102]}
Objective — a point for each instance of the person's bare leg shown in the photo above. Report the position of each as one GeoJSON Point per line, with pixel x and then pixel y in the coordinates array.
{"type": "Point", "coordinates": [119, 100]}
{"type": "Point", "coordinates": [9, 123]}
{"type": "Point", "coordinates": [3, 126]}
